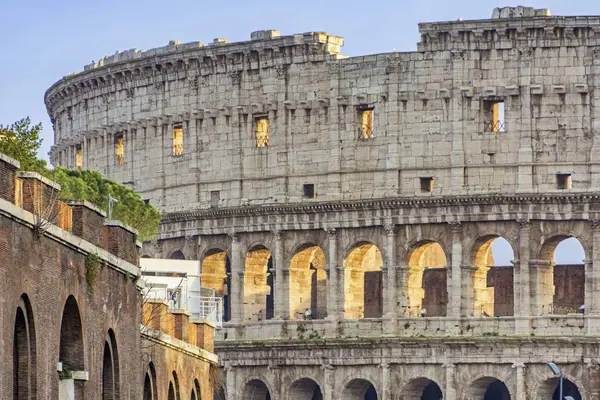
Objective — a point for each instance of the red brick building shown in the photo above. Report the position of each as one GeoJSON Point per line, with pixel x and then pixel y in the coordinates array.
{"type": "Point", "coordinates": [71, 307]}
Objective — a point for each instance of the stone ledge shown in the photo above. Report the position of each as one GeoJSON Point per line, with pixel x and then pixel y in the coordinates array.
{"type": "Point", "coordinates": [178, 345]}
{"type": "Point", "coordinates": [36, 176]}
{"type": "Point", "coordinates": [86, 204]}
{"type": "Point", "coordinates": [9, 160]}
{"type": "Point", "coordinates": [119, 224]}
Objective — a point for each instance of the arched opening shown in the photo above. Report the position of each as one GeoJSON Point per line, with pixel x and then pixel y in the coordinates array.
{"type": "Point", "coordinates": [422, 389]}
{"type": "Point", "coordinates": [216, 274]}
{"type": "Point", "coordinates": [176, 386]}
{"type": "Point", "coordinates": [493, 277]}
{"type": "Point", "coordinates": [150, 383]}
{"type": "Point", "coordinates": [258, 285]}
{"type": "Point", "coordinates": [551, 387]}
{"type": "Point", "coordinates": [193, 396]}
{"type": "Point", "coordinates": [110, 369]}
{"type": "Point", "coordinates": [24, 353]}
{"type": "Point", "coordinates": [488, 388]}
{"type": "Point", "coordinates": [197, 388]}
{"type": "Point", "coordinates": [171, 394]}
{"type": "Point", "coordinates": [308, 283]}
{"type": "Point", "coordinates": [256, 390]}
{"type": "Point", "coordinates": [560, 284]}
{"type": "Point", "coordinates": [427, 280]}
{"type": "Point", "coordinates": [177, 255]}
{"type": "Point", "coordinates": [363, 287]}
{"type": "Point", "coordinates": [71, 343]}
{"type": "Point", "coordinates": [359, 389]}
{"type": "Point", "coordinates": [305, 389]}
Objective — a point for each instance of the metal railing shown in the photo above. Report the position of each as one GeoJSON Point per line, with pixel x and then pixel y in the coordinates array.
{"type": "Point", "coordinates": [494, 126]}
{"type": "Point", "coordinates": [178, 149]}
{"type": "Point", "coordinates": [120, 159]}
{"type": "Point", "coordinates": [365, 132]}
{"type": "Point", "coordinates": [211, 309]}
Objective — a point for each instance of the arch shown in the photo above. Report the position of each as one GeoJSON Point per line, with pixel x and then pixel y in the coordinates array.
{"type": "Point", "coordinates": [550, 389]}
{"type": "Point", "coordinates": [216, 274]}
{"type": "Point", "coordinates": [308, 283]}
{"type": "Point", "coordinates": [256, 389]}
{"type": "Point", "coordinates": [176, 386]}
{"type": "Point", "coordinates": [150, 392]}
{"type": "Point", "coordinates": [71, 349]}
{"type": "Point", "coordinates": [24, 352]}
{"type": "Point", "coordinates": [177, 255]}
{"type": "Point", "coordinates": [427, 280]}
{"type": "Point", "coordinates": [305, 389]}
{"type": "Point", "coordinates": [422, 389]}
{"type": "Point", "coordinates": [359, 389]}
{"type": "Point", "coordinates": [491, 282]}
{"type": "Point", "coordinates": [197, 388]}
{"type": "Point", "coordinates": [488, 388]}
{"type": "Point", "coordinates": [363, 287]}
{"type": "Point", "coordinates": [110, 368]}
{"type": "Point", "coordinates": [171, 394]}
{"type": "Point", "coordinates": [258, 284]}
{"type": "Point", "coordinates": [561, 287]}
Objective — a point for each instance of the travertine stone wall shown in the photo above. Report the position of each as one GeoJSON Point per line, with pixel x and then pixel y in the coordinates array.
{"type": "Point", "coordinates": [430, 115]}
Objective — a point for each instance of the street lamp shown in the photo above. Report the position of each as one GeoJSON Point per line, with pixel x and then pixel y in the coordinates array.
{"type": "Point", "coordinates": [557, 372]}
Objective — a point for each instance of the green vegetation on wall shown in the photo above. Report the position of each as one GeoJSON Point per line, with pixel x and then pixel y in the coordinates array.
{"type": "Point", "coordinates": [21, 141]}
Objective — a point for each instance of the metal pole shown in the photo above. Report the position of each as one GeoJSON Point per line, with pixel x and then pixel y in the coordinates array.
{"type": "Point", "coordinates": [561, 386]}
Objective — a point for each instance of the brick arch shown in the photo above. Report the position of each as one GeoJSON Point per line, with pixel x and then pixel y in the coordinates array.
{"type": "Point", "coordinates": [490, 294]}
{"type": "Point", "coordinates": [110, 368]}
{"type": "Point", "coordinates": [308, 282]}
{"type": "Point", "coordinates": [427, 278]}
{"type": "Point", "coordinates": [24, 352]}
{"type": "Point", "coordinates": [420, 388]}
{"type": "Point", "coordinates": [175, 386]}
{"type": "Point", "coordinates": [363, 287]}
{"type": "Point", "coordinates": [71, 345]}
{"type": "Point", "coordinates": [478, 389]}
{"type": "Point", "coordinates": [259, 287]}
{"type": "Point", "coordinates": [359, 389]}
{"type": "Point", "coordinates": [150, 390]}
{"type": "Point", "coordinates": [197, 390]}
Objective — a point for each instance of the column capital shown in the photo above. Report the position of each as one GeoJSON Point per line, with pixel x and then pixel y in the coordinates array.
{"type": "Point", "coordinates": [390, 229]}
{"type": "Point", "coordinates": [595, 224]}
{"type": "Point", "coordinates": [234, 236]}
{"type": "Point", "coordinates": [384, 365]}
{"type": "Point", "coordinates": [448, 364]}
{"type": "Point", "coordinates": [518, 365]}
{"type": "Point", "coordinates": [469, 267]}
{"type": "Point", "coordinates": [277, 234]}
{"type": "Point", "coordinates": [455, 226]}
{"type": "Point", "coordinates": [327, 367]}
{"type": "Point", "coordinates": [330, 231]}
{"type": "Point", "coordinates": [524, 223]}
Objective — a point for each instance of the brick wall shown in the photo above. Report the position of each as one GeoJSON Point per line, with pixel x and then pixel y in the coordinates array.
{"type": "Point", "coordinates": [8, 171]}
{"type": "Point", "coordinates": [501, 279]}
{"type": "Point", "coordinates": [436, 295]}
{"type": "Point", "coordinates": [88, 222]}
{"type": "Point", "coordinates": [121, 241]}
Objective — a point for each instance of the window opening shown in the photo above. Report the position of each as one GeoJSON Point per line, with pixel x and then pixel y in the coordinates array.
{"type": "Point", "coordinates": [309, 191]}
{"type": "Point", "coordinates": [178, 140]}
{"type": "Point", "coordinates": [78, 157]}
{"type": "Point", "coordinates": [563, 181]}
{"type": "Point", "coordinates": [119, 150]}
{"type": "Point", "coordinates": [365, 115]}
{"type": "Point", "coordinates": [215, 197]}
{"type": "Point", "coordinates": [262, 131]}
{"type": "Point", "coordinates": [493, 115]}
{"type": "Point", "coordinates": [427, 184]}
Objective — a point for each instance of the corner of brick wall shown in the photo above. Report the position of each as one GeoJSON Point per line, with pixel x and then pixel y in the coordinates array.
{"type": "Point", "coordinates": [8, 176]}
{"type": "Point", "coordinates": [122, 243]}
{"type": "Point", "coordinates": [88, 223]}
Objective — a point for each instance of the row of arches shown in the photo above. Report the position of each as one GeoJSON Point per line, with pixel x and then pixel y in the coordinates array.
{"type": "Point", "coordinates": [491, 274]}
{"type": "Point", "coordinates": [71, 353]}
{"type": "Point", "coordinates": [150, 391]}
{"type": "Point", "coordinates": [484, 388]}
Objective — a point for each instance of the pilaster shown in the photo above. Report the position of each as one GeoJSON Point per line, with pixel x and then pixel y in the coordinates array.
{"type": "Point", "coordinates": [592, 283]}
{"type": "Point", "coordinates": [520, 394]}
{"type": "Point", "coordinates": [237, 281]}
{"type": "Point", "coordinates": [455, 280]}
{"type": "Point", "coordinates": [334, 311]}
{"type": "Point", "coordinates": [389, 284]}
{"type": "Point", "coordinates": [282, 280]}
{"type": "Point", "coordinates": [450, 369]}
{"type": "Point", "coordinates": [522, 298]}
{"type": "Point", "coordinates": [386, 381]}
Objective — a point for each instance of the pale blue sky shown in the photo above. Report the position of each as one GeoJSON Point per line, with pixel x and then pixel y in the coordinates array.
{"type": "Point", "coordinates": [42, 40]}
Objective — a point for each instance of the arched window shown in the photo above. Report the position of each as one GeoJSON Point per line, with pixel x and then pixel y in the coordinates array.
{"type": "Point", "coordinates": [71, 353]}
{"type": "Point", "coordinates": [256, 390]}
{"type": "Point", "coordinates": [492, 279]}
{"type": "Point", "coordinates": [363, 286]}
{"type": "Point", "coordinates": [110, 369]}
{"type": "Point", "coordinates": [177, 255]}
{"type": "Point", "coordinates": [308, 283]}
{"type": "Point", "coordinates": [488, 388]}
{"type": "Point", "coordinates": [427, 280]}
{"type": "Point", "coordinates": [422, 388]}
{"type": "Point", "coordinates": [258, 285]}
{"type": "Point", "coordinates": [216, 274]}
{"type": "Point", "coordinates": [359, 389]}
{"type": "Point", "coordinates": [24, 353]}
{"type": "Point", "coordinates": [305, 389]}
{"type": "Point", "coordinates": [150, 383]}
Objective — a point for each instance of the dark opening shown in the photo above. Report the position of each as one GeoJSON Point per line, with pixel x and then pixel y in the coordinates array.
{"type": "Point", "coordinates": [215, 197]}
{"type": "Point", "coordinates": [497, 390]}
{"type": "Point", "coordinates": [24, 382]}
{"type": "Point", "coordinates": [569, 389]}
{"type": "Point", "coordinates": [426, 184]}
{"type": "Point", "coordinates": [563, 181]}
{"type": "Point", "coordinates": [178, 255]}
{"type": "Point", "coordinates": [371, 393]}
{"type": "Point", "coordinates": [373, 294]}
{"type": "Point", "coordinates": [71, 342]}
{"type": "Point", "coordinates": [148, 388]}
{"type": "Point", "coordinates": [432, 392]}
{"type": "Point", "coordinates": [270, 312]}
{"type": "Point", "coordinates": [309, 191]}
{"type": "Point", "coordinates": [226, 296]}
{"type": "Point", "coordinates": [171, 395]}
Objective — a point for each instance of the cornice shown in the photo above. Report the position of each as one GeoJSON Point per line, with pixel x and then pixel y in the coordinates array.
{"type": "Point", "coordinates": [382, 204]}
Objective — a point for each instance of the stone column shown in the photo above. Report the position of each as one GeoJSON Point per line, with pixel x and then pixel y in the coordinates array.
{"type": "Point", "coordinates": [333, 289]}
{"type": "Point", "coordinates": [230, 383]}
{"type": "Point", "coordinates": [386, 381]}
{"type": "Point", "coordinates": [541, 280]}
{"type": "Point", "coordinates": [450, 385]}
{"type": "Point", "coordinates": [402, 274]}
{"type": "Point", "coordinates": [522, 299]}
{"type": "Point", "coordinates": [237, 281]}
{"type": "Point", "coordinates": [454, 280]}
{"type": "Point", "coordinates": [328, 381]}
{"type": "Point", "coordinates": [390, 301]}
{"type": "Point", "coordinates": [468, 291]}
{"type": "Point", "coordinates": [520, 394]}
{"type": "Point", "coordinates": [592, 275]}
{"type": "Point", "coordinates": [282, 280]}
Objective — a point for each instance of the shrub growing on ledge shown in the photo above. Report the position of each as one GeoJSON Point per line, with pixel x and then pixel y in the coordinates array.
{"type": "Point", "coordinates": [22, 141]}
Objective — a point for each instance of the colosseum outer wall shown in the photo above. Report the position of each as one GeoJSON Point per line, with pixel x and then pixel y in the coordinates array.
{"type": "Point", "coordinates": [432, 115]}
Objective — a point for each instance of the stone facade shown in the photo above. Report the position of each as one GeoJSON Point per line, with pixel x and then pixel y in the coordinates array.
{"type": "Point", "coordinates": [71, 308]}
{"type": "Point", "coordinates": [345, 207]}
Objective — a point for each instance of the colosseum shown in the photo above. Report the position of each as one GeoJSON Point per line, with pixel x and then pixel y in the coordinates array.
{"type": "Point", "coordinates": [345, 207]}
